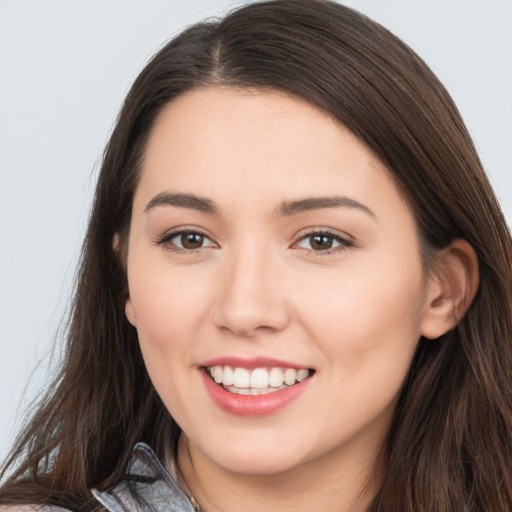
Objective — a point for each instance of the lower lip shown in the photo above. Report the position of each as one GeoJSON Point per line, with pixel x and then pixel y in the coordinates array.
{"type": "Point", "coordinates": [253, 405]}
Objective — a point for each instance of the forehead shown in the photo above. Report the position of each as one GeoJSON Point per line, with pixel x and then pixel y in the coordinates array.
{"type": "Point", "coordinates": [252, 146]}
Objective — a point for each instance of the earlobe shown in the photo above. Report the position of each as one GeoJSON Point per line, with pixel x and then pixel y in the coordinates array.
{"type": "Point", "coordinates": [452, 288]}
{"type": "Point", "coordinates": [130, 312]}
{"type": "Point", "coordinates": [128, 307]}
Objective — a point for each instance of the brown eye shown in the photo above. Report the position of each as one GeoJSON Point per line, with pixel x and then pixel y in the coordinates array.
{"type": "Point", "coordinates": [324, 242]}
{"type": "Point", "coordinates": [186, 241]}
{"type": "Point", "coordinates": [321, 242]}
{"type": "Point", "coordinates": [191, 240]}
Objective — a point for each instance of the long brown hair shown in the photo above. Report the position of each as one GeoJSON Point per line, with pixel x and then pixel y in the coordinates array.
{"type": "Point", "coordinates": [450, 444]}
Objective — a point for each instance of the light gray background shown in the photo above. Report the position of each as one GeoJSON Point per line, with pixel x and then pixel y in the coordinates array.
{"type": "Point", "coordinates": [65, 66]}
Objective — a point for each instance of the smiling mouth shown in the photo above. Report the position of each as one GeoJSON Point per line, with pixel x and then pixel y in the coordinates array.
{"type": "Point", "coordinates": [258, 381]}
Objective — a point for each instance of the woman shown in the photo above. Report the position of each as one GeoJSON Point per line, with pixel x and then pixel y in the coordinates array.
{"type": "Point", "coordinates": [295, 290]}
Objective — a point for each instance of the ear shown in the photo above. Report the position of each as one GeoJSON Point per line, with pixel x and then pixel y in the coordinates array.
{"type": "Point", "coordinates": [452, 288]}
{"type": "Point", "coordinates": [116, 239]}
{"type": "Point", "coordinates": [129, 311]}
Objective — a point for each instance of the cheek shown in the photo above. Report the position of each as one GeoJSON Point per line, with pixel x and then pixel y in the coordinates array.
{"type": "Point", "coordinates": [365, 322]}
{"type": "Point", "coordinates": [168, 308]}
{"type": "Point", "coordinates": [365, 335]}
{"type": "Point", "coordinates": [169, 315]}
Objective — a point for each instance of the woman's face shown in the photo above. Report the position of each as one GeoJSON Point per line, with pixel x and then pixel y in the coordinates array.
{"type": "Point", "coordinates": [268, 246]}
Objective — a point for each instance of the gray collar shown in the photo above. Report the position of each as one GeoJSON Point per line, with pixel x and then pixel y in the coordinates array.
{"type": "Point", "coordinates": [151, 490]}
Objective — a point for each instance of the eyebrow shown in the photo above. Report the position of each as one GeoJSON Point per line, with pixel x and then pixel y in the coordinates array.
{"type": "Point", "coordinates": [288, 208]}
{"type": "Point", "coordinates": [191, 201]}
{"type": "Point", "coordinates": [285, 209]}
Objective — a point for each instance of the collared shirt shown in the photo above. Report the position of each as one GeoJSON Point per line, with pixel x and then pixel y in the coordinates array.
{"type": "Point", "coordinates": [152, 488]}
{"type": "Point", "coordinates": [148, 488]}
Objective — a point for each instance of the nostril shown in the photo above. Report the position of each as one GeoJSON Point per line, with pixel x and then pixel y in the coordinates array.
{"type": "Point", "coordinates": [249, 303]}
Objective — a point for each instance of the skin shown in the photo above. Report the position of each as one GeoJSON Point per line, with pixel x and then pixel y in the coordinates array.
{"type": "Point", "coordinates": [258, 287]}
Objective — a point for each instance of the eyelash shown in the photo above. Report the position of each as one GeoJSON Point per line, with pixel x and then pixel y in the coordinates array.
{"type": "Point", "coordinates": [166, 241]}
{"type": "Point", "coordinates": [344, 243]}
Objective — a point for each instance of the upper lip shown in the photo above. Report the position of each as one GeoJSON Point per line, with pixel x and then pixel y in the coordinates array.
{"type": "Point", "coordinates": [256, 362]}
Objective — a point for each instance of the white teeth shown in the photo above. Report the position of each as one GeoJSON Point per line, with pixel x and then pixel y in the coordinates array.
{"type": "Point", "coordinates": [276, 378]}
{"type": "Point", "coordinates": [290, 376]}
{"type": "Point", "coordinates": [228, 379]}
{"type": "Point", "coordinates": [257, 381]}
{"type": "Point", "coordinates": [259, 378]}
{"type": "Point", "coordinates": [241, 378]}
{"type": "Point", "coordinates": [250, 391]}
{"type": "Point", "coordinates": [301, 374]}
{"type": "Point", "coordinates": [218, 374]}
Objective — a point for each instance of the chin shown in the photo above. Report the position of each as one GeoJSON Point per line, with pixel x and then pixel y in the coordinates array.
{"type": "Point", "coordinates": [256, 464]}
{"type": "Point", "coordinates": [264, 456]}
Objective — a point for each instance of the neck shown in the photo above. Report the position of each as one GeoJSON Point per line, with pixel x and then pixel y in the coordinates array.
{"type": "Point", "coordinates": [340, 480]}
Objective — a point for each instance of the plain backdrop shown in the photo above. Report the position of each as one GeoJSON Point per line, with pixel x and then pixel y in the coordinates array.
{"type": "Point", "coordinates": [65, 66]}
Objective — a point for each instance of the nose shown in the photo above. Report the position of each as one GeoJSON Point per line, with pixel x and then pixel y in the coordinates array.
{"type": "Point", "coordinates": [250, 299]}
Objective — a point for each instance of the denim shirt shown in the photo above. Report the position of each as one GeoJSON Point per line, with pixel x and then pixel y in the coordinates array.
{"type": "Point", "coordinates": [154, 490]}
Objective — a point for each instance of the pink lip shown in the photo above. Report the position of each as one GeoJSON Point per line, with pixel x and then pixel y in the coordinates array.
{"type": "Point", "coordinates": [252, 405]}
{"type": "Point", "coordinates": [250, 364]}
